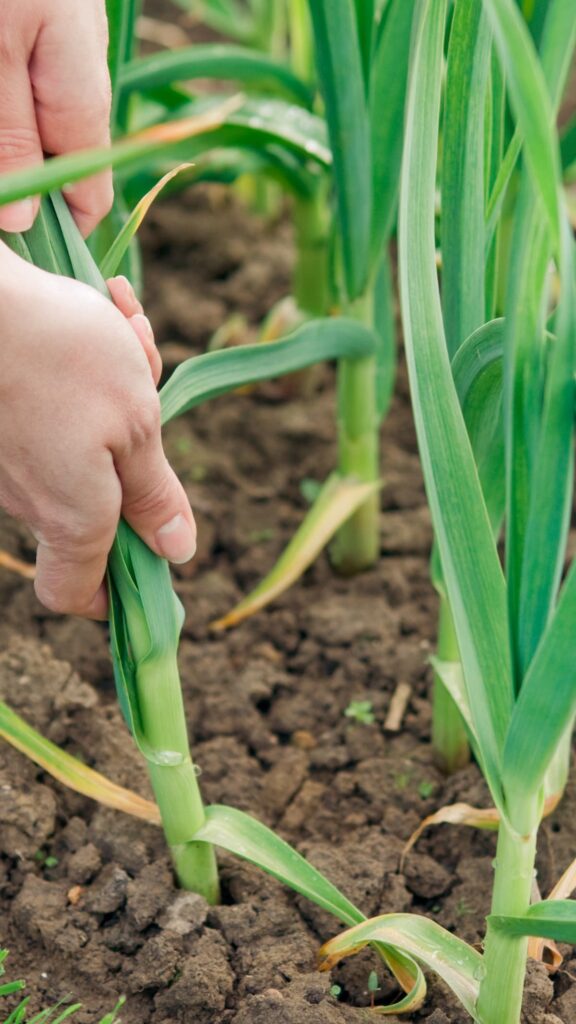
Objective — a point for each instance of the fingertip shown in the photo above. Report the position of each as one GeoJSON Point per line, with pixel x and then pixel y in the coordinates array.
{"type": "Point", "coordinates": [143, 329]}
{"type": "Point", "coordinates": [176, 539]}
{"type": "Point", "coordinates": [18, 216]}
{"type": "Point", "coordinates": [124, 296]}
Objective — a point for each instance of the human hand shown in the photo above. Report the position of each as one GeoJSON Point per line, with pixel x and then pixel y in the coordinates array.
{"type": "Point", "coordinates": [54, 98]}
{"type": "Point", "coordinates": [80, 429]}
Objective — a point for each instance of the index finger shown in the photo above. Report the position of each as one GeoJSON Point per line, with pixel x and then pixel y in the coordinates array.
{"type": "Point", "coordinates": [72, 96]}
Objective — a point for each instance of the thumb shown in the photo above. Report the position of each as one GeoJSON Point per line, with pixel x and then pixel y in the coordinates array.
{"type": "Point", "coordinates": [155, 503]}
{"type": "Point", "coordinates": [20, 145]}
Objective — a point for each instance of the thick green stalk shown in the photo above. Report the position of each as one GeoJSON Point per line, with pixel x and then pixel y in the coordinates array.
{"type": "Point", "coordinates": [175, 782]}
{"type": "Point", "coordinates": [145, 622]}
{"type": "Point", "coordinates": [449, 738]}
{"type": "Point", "coordinates": [502, 984]}
{"type": "Point", "coordinates": [357, 543]}
{"type": "Point", "coordinates": [312, 270]}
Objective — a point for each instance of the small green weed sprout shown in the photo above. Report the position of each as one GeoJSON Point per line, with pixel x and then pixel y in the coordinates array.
{"type": "Point", "coordinates": [361, 711]}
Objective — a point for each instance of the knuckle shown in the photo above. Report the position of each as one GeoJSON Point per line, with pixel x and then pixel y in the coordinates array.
{"type": "Point", "coordinates": [17, 144]}
{"type": "Point", "coordinates": [78, 541]}
{"type": "Point", "coordinates": [101, 100]}
{"type": "Point", "coordinates": [151, 500]}
{"type": "Point", "coordinates": [145, 425]}
{"type": "Point", "coordinates": [73, 120]}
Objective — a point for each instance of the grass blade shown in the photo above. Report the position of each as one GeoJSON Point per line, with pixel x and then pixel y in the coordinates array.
{"type": "Point", "coordinates": [366, 22]}
{"type": "Point", "coordinates": [531, 102]}
{"type": "Point", "coordinates": [121, 243]}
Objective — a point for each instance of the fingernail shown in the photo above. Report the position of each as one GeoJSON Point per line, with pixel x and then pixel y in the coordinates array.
{"type": "Point", "coordinates": [17, 216]}
{"type": "Point", "coordinates": [139, 319]}
{"type": "Point", "coordinates": [128, 289]}
{"type": "Point", "coordinates": [176, 540]}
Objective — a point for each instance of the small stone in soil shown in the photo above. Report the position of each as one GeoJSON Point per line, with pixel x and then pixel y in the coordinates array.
{"type": "Point", "coordinates": [108, 892]}
{"type": "Point", "coordinates": [187, 913]}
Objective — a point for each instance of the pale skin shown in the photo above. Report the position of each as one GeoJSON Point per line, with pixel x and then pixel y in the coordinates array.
{"type": "Point", "coordinates": [79, 412]}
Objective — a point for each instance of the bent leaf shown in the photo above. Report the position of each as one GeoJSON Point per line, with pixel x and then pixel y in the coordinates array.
{"type": "Point", "coordinates": [338, 500]}
{"type": "Point", "coordinates": [550, 919]}
{"type": "Point", "coordinates": [117, 250]}
{"type": "Point", "coordinates": [457, 963]}
{"type": "Point", "coordinates": [455, 814]}
{"type": "Point", "coordinates": [213, 60]}
{"type": "Point", "coordinates": [70, 771]}
{"type": "Point", "coordinates": [203, 377]}
{"type": "Point", "coordinates": [248, 838]}
{"type": "Point", "coordinates": [488, 818]}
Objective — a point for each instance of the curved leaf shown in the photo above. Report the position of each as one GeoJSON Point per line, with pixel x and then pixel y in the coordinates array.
{"type": "Point", "coordinates": [227, 165]}
{"type": "Point", "coordinates": [213, 60]}
{"type": "Point", "coordinates": [544, 712]}
{"type": "Point", "coordinates": [248, 838]}
{"type": "Point", "coordinates": [457, 963]}
{"type": "Point", "coordinates": [207, 376]}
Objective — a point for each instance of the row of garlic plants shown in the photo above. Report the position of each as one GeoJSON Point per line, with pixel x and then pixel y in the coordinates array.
{"type": "Point", "coordinates": [491, 363]}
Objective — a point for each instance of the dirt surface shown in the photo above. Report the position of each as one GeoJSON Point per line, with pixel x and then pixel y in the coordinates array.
{"type": "Point", "coordinates": [88, 903]}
